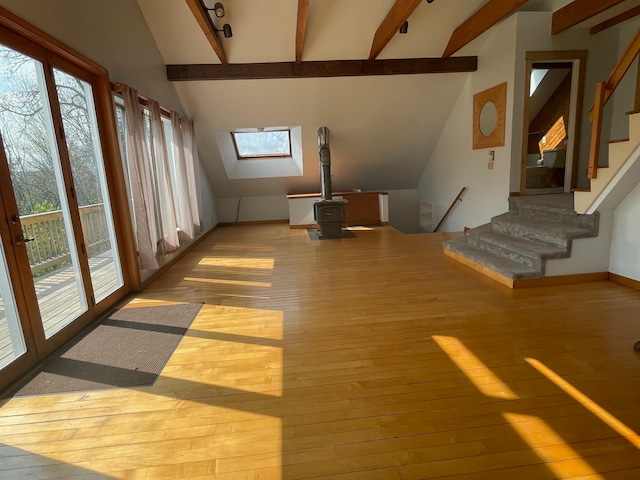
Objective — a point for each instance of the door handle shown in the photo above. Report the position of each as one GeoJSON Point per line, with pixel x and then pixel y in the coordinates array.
{"type": "Point", "coordinates": [20, 240]}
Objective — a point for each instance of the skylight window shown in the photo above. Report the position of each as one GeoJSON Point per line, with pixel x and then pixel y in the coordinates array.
{"type": "Point", "coordinates": [262, 144]}
{"type": "Point", "coordinates": [536, 78]}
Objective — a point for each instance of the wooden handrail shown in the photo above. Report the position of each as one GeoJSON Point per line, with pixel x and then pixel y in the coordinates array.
{"type": "Point", "coordinates": [453, 204]}
{"type": "Point", "coordinates": [604, 90]}
{"type": "Point", "coordinates": [596, 129]}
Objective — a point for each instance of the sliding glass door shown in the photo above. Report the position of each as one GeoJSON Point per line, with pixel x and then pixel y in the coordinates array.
{"type": "Point", "coordinates": [60, 227]}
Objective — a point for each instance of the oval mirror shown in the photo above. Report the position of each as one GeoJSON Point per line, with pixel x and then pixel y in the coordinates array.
{"type": "Point", "coordinates": [488, 118]}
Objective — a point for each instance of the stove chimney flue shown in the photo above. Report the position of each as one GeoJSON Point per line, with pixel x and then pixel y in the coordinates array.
{"type": "Point", "coordinates": [325, 162]}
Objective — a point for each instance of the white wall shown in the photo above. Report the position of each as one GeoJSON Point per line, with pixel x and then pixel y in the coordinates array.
{"type": "Point", "coordinates": [403, 210]}
{"type": "Point", "coordinates": [252, 209]}
{"type": "Point", "coordinates": [625, 241]}
{"type": "Point", "coordinates": [454, 164]}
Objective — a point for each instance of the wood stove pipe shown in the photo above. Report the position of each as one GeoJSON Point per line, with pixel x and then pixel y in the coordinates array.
{"type": "Point", "coordinates": [325, 163]}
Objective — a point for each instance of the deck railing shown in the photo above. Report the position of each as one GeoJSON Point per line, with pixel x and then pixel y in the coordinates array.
{"type": "Point", "coordinates": [604, 90]}
{"type": "Point", "coordinates": [50, 247]}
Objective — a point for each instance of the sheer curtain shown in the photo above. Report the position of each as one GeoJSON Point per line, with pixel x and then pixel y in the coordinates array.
{"type": "Point", "coordinates": [166, 213]}
{"type": "Point", "coordinates": [164, 187]}
{"type": "Point", "coordinates": [140, 180]}
{"type": "Point", "coordinates": [185, 155]}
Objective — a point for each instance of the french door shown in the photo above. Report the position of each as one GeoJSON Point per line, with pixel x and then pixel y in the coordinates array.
{"type": "Point", "coordinates": [59, 256]}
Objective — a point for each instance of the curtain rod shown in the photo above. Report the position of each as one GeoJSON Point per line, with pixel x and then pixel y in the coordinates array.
{"type": "Point", "coordinates": [119, 88]}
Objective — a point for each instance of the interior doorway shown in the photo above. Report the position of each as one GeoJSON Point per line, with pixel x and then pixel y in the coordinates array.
{"type": "Point", "coordinates": [554, 85]}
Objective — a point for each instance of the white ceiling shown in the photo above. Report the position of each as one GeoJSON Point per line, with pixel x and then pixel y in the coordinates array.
{"type": "Point", "coordinates": [383, 129]}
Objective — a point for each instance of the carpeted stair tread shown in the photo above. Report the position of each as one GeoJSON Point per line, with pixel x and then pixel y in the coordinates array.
{"type": "Point", "coordinates": [504, 266]}
{"type": "Point", "coordinates": [546, 232]}
{"type": "Point", "coordinates": [519, 245]}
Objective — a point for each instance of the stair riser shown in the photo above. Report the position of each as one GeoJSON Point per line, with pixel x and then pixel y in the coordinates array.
{"type": "Point", "coordinates": [530, 233]}
{"type": "Point", "coordinates": [634, 125]}
{"type": "Point", "coordinates": [619, 151]}
{"type": "Point", "coordinates": [533, 262]}
{"type": "Point", "coordinates": [590, 223]}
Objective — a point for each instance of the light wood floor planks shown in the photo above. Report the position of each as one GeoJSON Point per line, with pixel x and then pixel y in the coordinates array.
{"type": "Point", "coordinates": [374, 357]}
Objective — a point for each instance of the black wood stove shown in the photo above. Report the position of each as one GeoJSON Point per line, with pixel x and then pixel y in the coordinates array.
{"type": "Point", "coordinates": [328, 213]}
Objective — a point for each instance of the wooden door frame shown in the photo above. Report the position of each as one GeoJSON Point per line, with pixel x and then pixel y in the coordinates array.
{"type": "Point", "coordinates": [579, 60]}
{"type": "Point", "coordinates": [19, 34]}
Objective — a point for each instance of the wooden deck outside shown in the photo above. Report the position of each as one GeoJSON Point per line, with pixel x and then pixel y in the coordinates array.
{"type": "Point", "coordinates": [58, 298]}
{"type": "Point", "coordinates": [372, 357]}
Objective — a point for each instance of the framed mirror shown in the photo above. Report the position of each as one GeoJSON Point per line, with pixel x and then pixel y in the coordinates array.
{"type": "Point", "coordinates": [489, 117]}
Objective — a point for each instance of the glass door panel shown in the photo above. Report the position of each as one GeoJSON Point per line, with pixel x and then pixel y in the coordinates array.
{"type": "Point", "coordinates": [12, 344]}
{"type": "Point", "coordinates": [83, 144]}
{"type": "Point", "coordinates": [32, 155]}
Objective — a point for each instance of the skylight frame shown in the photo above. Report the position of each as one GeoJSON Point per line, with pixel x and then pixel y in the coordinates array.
{"type": "Point", "coordinates": [265, 155]}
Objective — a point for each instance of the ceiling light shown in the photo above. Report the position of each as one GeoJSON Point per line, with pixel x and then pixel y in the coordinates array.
{"type": "Point", "coordinates": [218, 9]}
{"type": "Point", "coordinates": [226, 30]}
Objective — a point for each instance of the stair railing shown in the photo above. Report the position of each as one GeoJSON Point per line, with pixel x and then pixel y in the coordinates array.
{"type": "Point", "coordinates": [604, 90]}
{"type": "Point", "coordinates": [453, 204]}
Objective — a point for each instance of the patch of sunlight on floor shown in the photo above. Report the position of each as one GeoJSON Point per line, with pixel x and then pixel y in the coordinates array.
{"type": "Point", "coordinates": [241, 283]}
{"type": "Point", "coordinates": [586, 402]}
{"type": "Point", "coordinates": [549, 446]}
{"type": "Point", "coordinates": [265, 263]}
{"type": "Point", "coordinates": [360, 228]}
{"type": "Point", "coordinates": [474, 369]}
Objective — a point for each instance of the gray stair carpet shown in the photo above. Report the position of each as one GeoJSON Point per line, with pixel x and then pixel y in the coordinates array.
{"type": "Point", "coordinates": [517, 244]}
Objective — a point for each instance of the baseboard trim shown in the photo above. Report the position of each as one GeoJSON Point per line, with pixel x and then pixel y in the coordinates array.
{"type": "Point", "coordinates": [254, 222]}
{"type": "Point", "coordinates": [304, 226]}
{"type": "Point", "coordinates": [498, 277]}
{"type": "Point", "coordinates": [315, 225]}
{"type": "Point", "coordinates": [627, 282]}
{"type": "Point", "coordinates": [562, 280]}
{"type": "Point", "coordinates": [179, 254]}
{"type": "Point", "coordinates": [536, 282]}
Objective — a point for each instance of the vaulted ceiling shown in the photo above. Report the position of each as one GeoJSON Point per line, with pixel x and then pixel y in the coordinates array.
{"type": "Point", "coordinates": [382, 137]}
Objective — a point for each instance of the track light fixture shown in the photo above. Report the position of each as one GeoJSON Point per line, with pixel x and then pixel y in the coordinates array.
{"type": "Point", "coordinates": [218, 9]}
{"type": "Point", "coordinates": [218, 12]}
{"type": "Point", "coordinates": [405, 26]}
{"type": "Point", "coordinates": [226, 30]}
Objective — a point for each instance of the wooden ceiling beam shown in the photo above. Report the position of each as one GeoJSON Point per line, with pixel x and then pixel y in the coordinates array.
{"type": "Point", "coordinates": [486, 17]}
{"type": "Point", "coordinates": [623, 17]}
{"type": "Point", "coordinates": [577, 12]}
{"type": "Point", "coordinates": [400, 11]}
{"type": "Point", "coordinates": [203, 19]}
{"type": "Point", "coordinates": [333, 68]}
{"type": "Point", "coordinates": [303, 13]}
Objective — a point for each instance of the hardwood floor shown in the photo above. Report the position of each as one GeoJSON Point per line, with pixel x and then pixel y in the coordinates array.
{"type": "Point", "coordinates": [373, 357]}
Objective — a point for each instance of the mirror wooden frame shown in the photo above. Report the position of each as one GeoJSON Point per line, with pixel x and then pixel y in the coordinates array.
{"type": "Point", "coordinates": [498, 96]}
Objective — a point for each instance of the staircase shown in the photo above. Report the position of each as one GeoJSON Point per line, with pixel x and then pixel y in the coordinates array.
{"type": "Point", "coordinates": [608, 189]}
{"type": "Point", "coordinates": [516, 245]}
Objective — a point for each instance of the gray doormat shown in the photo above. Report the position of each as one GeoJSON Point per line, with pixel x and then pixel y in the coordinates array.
{"type": "Point", "coordinates": [130, 348]}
